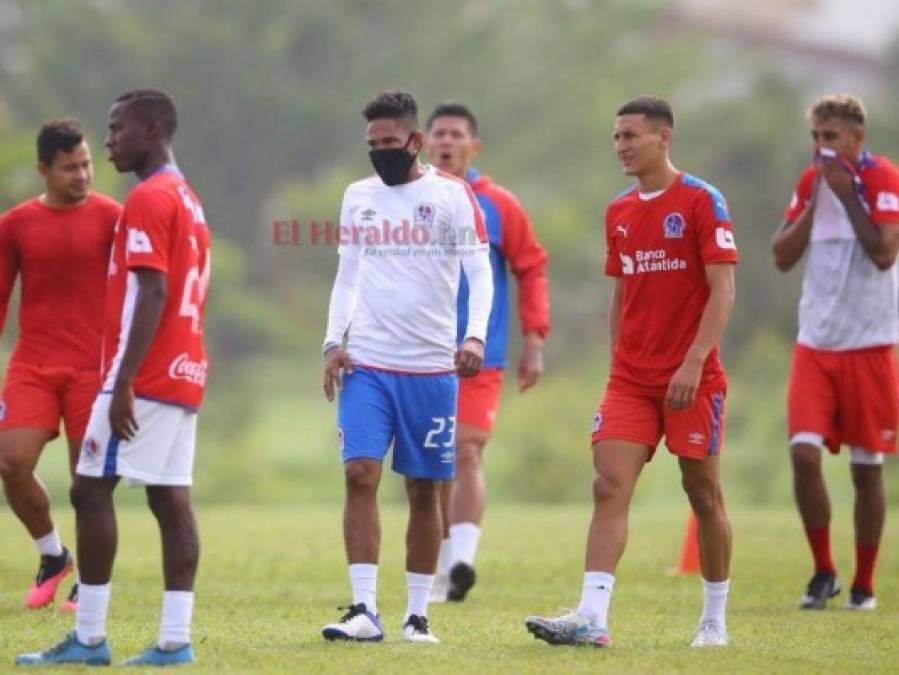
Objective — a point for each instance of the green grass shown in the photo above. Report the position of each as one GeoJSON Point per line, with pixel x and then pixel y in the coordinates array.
{"type": "Point", "coordinates": [271, 576]}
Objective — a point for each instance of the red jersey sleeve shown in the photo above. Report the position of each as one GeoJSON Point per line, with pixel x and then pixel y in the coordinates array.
{"type": "Point", "coordinates": [801, 194]}
{"type": "Point", "coordinates": [148, 219]}
{"type": "Point", "coordinates": [713, 226]}
{"type": "Point", "coordinates": [528, 260]}
{"type": "Point", "coordinates": [882, 195]}
{"type": "Point", "coordinates": [9, 267]}
{"type": "Point", "coordinates": [613, 259]}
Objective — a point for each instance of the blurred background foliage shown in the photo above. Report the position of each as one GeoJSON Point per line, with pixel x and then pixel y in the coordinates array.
{"type": "Point", "coordinates": [269, 95]}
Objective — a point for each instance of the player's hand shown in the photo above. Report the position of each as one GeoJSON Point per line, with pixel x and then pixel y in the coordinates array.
{"type": "Point", "coordinates": [838, 177]}
{"type": "Point", "coordinates": [121, 411]}
{"type": "Point", "coordinates": [470, 357]}
{"type": "Point", "coordinates": [530, 364]}
{"type": "Point", "coordinates": [685, 383]}
{"type": "Point", "coordinates": [337, 364]}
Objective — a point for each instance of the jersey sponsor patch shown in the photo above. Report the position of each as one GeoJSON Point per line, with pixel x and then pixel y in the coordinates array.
{"type": "Point", "coordinates": [182, 368]}
{"type": "Point", "coordinates": [725, 239]}
{"type": "Point", "coordinates": [139, 242]}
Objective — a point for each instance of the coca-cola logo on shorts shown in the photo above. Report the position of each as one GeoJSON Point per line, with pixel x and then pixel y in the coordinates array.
{"type": "Point", "coordinates": [182, 368]}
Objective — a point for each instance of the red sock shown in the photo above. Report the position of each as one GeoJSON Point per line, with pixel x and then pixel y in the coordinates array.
{"type": "Point", "coordinates": [819, 540]}
{"type": "Point", "coordinates": [865, 557]}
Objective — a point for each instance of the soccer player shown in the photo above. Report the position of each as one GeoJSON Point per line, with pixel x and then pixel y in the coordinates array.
{"type": "Point", "coordinates": [452, 144]}
{"type": "Point", "coordinates": [59, 242]}
{"type": "Point", "coordinates": [842, 386]}
{"type": "Point", "coordinates": [406, 233]}
{"type": "Point", "coordinates": [143, 423]}
{"type": "Point", "coordinates": [671, 251]}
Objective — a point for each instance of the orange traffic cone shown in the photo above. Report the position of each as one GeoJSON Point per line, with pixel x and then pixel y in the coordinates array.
{"type": "Point", "coordinates": [689, 553]}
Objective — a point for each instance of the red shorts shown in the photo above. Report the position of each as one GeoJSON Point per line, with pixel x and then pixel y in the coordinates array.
{"type": "Point", "coordinates": [37, 396]}
{"type": "Point", "coordinates": [694, 433]}
{"type": "Point", "coordinates": [849, 397]}
{"type": "Point", "coordinates": [479, 398]}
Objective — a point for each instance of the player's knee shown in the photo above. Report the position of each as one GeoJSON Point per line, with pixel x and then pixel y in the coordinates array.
{"type": "Point", "coordinates": [805, 458]}
{"type": "Point", "coordinates": [361, 477]}
{"type": "Point", "coordinates": [168, 503]}
{"type": "Point", "coordinates": [607, 487]}
{"type": "Point", "coordinates": [84, 497]}
{"type": "Point", "coordinates": [13, 467]}
{"type": "Point", "coordinates": [468, 458]}
{"type": "Point", "coordinates": [705, 497]}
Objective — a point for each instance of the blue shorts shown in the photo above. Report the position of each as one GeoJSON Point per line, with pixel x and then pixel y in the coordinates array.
{"type": "Point", "coordinates": [417, 413]}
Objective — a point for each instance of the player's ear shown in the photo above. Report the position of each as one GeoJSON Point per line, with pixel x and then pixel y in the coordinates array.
{"type": "Point", "coordinates": [476, 147]}
{"type": "Point", "coordinates": [43, 169]}
{"type": "Point", "coordinates": [416, 141]}
{"type": "Point", "coordinates": [666, 133]}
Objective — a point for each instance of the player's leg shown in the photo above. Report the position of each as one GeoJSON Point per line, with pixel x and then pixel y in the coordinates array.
{"type": "Point", "coordinates": [812, 413]}
{"type": "Point", "coordinates": [696, 436]}
{"type": "Point", "coordinates": [30, 419]}
{"type": "Point", "coordinates": [365, 428]}
{"type": "Point", "coordinates": [869, 516]}
{"type": "Point", "coordinates": [626, 430]}
{"type": "Point", "coordinates": [424, 452]}
{"type": "Point", "coordinates": [478, 404]}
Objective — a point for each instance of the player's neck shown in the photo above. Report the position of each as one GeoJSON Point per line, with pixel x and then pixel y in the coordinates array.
{"type": "Point", "coordinates": [60, 201]}
{"type": "Point", "coordinates": [657, 178]}
{"type": "Point", "coordinates": [155, 162]}
{"type": "Point", "coordinates": [416, 172]}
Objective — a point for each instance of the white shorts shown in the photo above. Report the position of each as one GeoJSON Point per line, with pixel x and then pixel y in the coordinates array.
{"type": "Point", "coordinates": [161, 453]}
{"type": "Point", "coordinates": [856, 455]}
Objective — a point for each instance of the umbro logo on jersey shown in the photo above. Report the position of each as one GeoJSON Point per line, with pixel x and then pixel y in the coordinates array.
{"type": "Point", "coordinates": [368, 215]}
{"type": "Point", "coordinates": [696, 438]}
{"type": "Point", "coordinates": [673, 226]}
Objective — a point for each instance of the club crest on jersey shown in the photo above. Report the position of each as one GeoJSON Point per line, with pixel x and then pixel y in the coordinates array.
{"type": "Point", "coordinates": [673, 226]}
{"type": "Point", "coordinates": [423, 215]}
{"type": "Point", "coordinates": [89, 448]}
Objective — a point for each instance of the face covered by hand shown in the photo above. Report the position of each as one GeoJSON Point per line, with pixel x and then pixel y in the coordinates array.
{"type": "Point", "coordinates": [393, 164]}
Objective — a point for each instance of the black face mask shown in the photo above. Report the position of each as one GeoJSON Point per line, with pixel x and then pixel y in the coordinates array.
{"type": "Point", "coordinates": [393, 164]}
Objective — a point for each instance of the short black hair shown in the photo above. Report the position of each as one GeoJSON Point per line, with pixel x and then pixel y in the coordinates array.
{"type": "Point", "coordinates": [393, 104]}
{"type": "Point", "coordinates": [58, 136]}
{"type": "Point", "coordinates": [153, 105]}
{"type": "Point", "coordinates": [653, 107]}
{"type": "Point", "coordinates": [453, 109]}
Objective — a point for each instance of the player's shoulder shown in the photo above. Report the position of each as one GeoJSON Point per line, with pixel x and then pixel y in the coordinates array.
{"type": "Point", "coordinates": [25, 209]}
{"type": "Point", "coordinates": [880, 166]}
{"type": "Point", "coordinates": [154, 192]}
{"type": "Point", "coordinates": [499, 194]}
{"type": "Point", "coordinates": [705, 190]}
{"type": "Point", "coordinates": [105, 202]}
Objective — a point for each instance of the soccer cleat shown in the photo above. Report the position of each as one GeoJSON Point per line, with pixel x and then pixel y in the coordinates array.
{"type": "Point", "coordinates": [154, 656]}
{"type": "Point", "coordinates": [821, 587]}
{"type": "Point", "coordinates": [358, 625]}
{"type": "Point", "coordinates": [461, 577]}
{"type": "Point", "coordinates": [70, 604]}
{"type": "Point", "coordinates": [568, 629]}
{"type": "Point", "coordinates": [52, 571]}
{"type": "Point", "coordinates": [710, 634]}
{"type": "Point", "coordinates": [70, 650]}
{"type": "Point", "coordinates": [440, 589]}
{"type": "Point", "coordinates": [861, 600]}
{"type": "Point", "coordinates": [416, 629]}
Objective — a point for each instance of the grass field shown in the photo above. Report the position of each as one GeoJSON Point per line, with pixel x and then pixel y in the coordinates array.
{"type": "Point", "coordinates": [270, 577]}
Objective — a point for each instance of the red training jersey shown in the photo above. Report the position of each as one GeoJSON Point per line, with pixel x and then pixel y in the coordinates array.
{"type": "Point", "coordinates": [162, 228]}
{"type": "Point", "coordinates": [62, 255]}
{"type": "Point", "coordinates": [659, 246]}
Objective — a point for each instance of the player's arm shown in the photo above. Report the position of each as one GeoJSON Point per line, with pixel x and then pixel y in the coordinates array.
{"type": "Point", "coordinates": [792, 237]}
{"type": "Point", "coordinates": [475, 256]}
{"type": "Point", "coordinates": [685, 383]}
{"type": "Point", "coordinates": [9, 267]}
{"type": "Point", "coordinates": [148, 306]}
{"type": "Point", "coordinates": [528, 260]}
{"type": "Point", "coordinates": [340, 313]}
{"type": "Point", "coordinates": [879, 241]}
{"type": "Point", "coordinates": [615, 315]}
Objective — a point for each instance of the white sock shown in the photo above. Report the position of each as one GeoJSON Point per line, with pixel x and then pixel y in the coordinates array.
{"type": "Point", "coordinates": [419, 591]}
{"type": "Point", "coordinates": [90, 617]}
{"type": "Point", "coordinates": [49, 544]}
{"type": "Point", "coordinates": [464, 537]}
{"type": "Point", "coordinates": [364, 580]}
{"type": "Point", "coordinates": [714, 595]}
{"type": "Point", "coordinates": [445, 559]}
{"type": "Point", "coordinates": [596, 596]}
{"type": "Point", "coordinates": [177, 608]}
